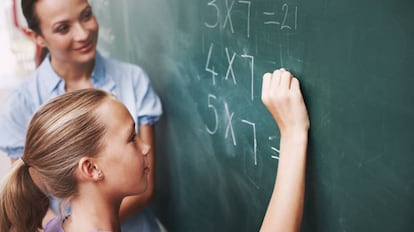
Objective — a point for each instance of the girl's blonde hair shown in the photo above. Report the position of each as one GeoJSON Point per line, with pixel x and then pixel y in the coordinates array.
{"type": "Point", "coordinates": [60, 133]}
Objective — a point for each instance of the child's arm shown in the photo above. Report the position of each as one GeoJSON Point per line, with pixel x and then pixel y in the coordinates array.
{"type": "Point", "coordinates": [282, 97]}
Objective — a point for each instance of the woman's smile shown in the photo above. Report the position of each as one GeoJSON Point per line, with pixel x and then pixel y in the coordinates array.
{"type": "Point", "coordinates": [85, 48]}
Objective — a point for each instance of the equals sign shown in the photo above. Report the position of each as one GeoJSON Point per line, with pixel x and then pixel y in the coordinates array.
{"type": "Point", "coordinates": [271, 21]}
{"type": "Point", "coordinates": [277, 151]}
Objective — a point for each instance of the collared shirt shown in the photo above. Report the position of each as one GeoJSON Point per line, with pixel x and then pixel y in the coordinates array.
{"type": "Point", "coordinates": [54, 225]}
{"type": "Point", "coordinates": [126, 81]}
{"type": "Point", "coordinates": [133, 224]}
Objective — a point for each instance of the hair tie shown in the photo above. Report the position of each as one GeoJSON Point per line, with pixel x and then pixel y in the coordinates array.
{"type": "Point", "coordinates": [24, 162]}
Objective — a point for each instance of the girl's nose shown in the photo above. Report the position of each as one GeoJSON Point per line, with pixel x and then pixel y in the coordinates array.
{"type": "Point", "coordinates": [145, 148]}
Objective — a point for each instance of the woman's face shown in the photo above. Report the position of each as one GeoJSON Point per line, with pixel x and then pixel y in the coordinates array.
{"type": "Point", "coordinates": [123, 157]}
{"type": "Point", "coordinates": [68, 29]}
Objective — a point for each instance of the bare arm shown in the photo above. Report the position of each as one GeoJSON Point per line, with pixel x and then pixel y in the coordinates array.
{"type": "Point", "coordinates": [131, 205]}
{"type": "Point", "coordinates": [282, 96]}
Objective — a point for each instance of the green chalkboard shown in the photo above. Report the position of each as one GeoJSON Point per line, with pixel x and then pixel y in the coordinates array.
{"type": "Point", "coordinates": [217, 148]}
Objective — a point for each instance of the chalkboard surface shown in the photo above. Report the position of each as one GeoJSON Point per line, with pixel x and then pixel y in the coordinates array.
{"type": "Point", "coordinates": [217, 146]}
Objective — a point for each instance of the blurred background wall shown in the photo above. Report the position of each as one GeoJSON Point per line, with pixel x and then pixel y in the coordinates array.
{"type": "Point", "coordinates": [17, 57]}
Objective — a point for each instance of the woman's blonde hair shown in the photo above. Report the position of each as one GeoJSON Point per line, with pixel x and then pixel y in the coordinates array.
{"type": "Point", "coordinates": [60, 133]}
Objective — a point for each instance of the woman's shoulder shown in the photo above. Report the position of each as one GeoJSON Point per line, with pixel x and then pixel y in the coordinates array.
{"type": "Point", "coordinates": [30, 93]}
{"type": "Point", "coordinates": [124, 71]}
{"type": "Point", "coordinates": [115, 64]}
{"type": "Point", "coordinates": [54, 225]}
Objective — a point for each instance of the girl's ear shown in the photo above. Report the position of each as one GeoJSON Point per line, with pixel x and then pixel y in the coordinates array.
{"type": "Point", "coordinates": [89, 170]}
{"type": "Point", "coordinates": [36, 38]}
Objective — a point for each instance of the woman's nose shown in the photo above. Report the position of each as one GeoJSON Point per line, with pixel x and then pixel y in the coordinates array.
{"type": "Point", "coordinates": [80, 32]}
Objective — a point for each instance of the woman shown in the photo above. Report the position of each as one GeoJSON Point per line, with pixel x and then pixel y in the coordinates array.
{"type": "Point", "coordinates": [73, 148]}
{"type": "Point", "coordinates": [69, 30]}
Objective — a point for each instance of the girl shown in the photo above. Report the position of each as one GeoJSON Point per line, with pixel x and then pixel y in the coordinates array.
{"type": "Point", "coordinates": [69, 30]}
{"type": "Point", "coordinates": [73, 151]}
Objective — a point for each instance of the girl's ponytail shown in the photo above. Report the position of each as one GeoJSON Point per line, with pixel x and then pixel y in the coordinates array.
{"type": "Point", "coordinates": [22, 204]}
{"type": "Point", "coordinates": [60, 133]}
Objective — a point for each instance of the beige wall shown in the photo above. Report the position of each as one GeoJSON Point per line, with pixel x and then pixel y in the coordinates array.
{"type": "Point", "coordinates": [4, 164]}
{"type": "Point", "coordinates": [4, 159]}
{"type": "Point", "coordinates": [16, 59]}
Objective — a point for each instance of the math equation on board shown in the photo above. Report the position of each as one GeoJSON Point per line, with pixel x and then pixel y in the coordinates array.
{"type": "Point", "coordinates": [281, 17]}
{"type": "Point", "coordinates": [284, 18]}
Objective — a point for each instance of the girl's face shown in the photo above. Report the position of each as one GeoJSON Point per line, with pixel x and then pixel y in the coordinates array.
{"type": "Point", "coordinates": [68, 29]}
{"type": "Point", "coordinates": [123, 158]}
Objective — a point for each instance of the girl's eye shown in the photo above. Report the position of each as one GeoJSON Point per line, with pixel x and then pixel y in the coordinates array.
{"type": "Point", "coordinates": [132, 138]}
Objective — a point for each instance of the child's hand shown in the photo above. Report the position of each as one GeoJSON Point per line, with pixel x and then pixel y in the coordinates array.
{"type": "Point", "coordinates": [282, 97]}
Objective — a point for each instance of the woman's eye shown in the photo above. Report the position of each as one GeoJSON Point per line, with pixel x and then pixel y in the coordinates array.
{"type": "Point", "coordinates": [62, 29]}
{"type": "Point", "coordinates": [87, 15]}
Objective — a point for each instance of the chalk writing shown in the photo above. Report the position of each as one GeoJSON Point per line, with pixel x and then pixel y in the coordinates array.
{"type": "Point", "coordinates": [229, 124]}
{"type": "Point", "coordinates": [227, 21]}
{"type": "Point", "coordinates": [285, 17]}
{"type": "Point", "coordinates": [230, 67]}
{"type": "Point", "coordinates": [275, 19]}
{"type": "Point", "coordinates": [230, 60]}
{"type": "Point", "coordinates": [254, 139]}
{"type": "Point", "coordinates": [228, 15]}
{"type": "Point", "coordinates": [213, 108]}
{"type": "Point", "coordinates": [221, 15]}
{"type": "Point", "coordinates": [217, 12]}
{"type": "Point", "coordinates": [212, 103]}
{"type": "Point", "coordinates": [251, 58]}
{"type": "Point", "coordinates": [275, 151]}
{"type": "Point", "coordinates": [249, 4]}
{"type": "Point", "coordinates": [207, 68]}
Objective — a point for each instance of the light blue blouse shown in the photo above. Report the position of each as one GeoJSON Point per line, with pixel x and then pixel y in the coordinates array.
{"type": "Point", "coordinates": [128, 82]}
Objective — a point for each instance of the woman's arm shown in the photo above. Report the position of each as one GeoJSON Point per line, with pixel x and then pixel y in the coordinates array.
{"type": "Point", "coordinates": [131, 205]}
{"type": "Point", "coordinates": [282, 97]}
